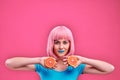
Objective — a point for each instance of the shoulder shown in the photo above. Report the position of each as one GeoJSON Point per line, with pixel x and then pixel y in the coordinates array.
{"type": "Point", "coordinates": [80, 68]}
{"type": "Point", "coordinates": [39, 67]}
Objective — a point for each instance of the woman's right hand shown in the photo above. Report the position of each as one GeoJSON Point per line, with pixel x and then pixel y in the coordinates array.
{"type": "Point", "coordinates": [42, 60]}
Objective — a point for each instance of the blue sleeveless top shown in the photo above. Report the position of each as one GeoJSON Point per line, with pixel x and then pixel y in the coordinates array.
{"type": "Point", "coordinates": [70, 73]}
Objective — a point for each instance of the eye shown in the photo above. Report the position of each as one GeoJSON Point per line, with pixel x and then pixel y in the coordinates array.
{"type": "Point", "coordinates": [65, 42]}
{"type": "Point", "coordinates": [56, 42]}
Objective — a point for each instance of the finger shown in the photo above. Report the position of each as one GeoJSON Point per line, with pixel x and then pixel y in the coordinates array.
{"type": "Point", "coordinates": [54, 67]}
{"type": "Point", "coordinates": [79, 61]}
{"type": "Point", "coordinates": [64, 60]}
{"type": "Point", "coordinates": [65, 63]}
{"type": "Point", "coordinates": [65, 57]}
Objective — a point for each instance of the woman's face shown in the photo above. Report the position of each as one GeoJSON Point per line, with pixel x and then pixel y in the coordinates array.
{"type": "Point", "coordinates": [61, 47]}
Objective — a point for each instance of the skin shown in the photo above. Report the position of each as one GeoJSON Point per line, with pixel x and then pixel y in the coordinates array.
{"type": "Point", "coordinates": [63, 45]}
{"type": "Point", "coordinates": [92, 66]}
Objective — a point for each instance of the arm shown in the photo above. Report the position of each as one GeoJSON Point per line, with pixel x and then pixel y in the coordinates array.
{"type": "Point", "coordinates": [23, 63]}
{"type": "Point", "coordinates": [95, 66]}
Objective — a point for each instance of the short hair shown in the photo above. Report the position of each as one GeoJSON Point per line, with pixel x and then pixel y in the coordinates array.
{"type": "Point", "coordinates": [60, 32]}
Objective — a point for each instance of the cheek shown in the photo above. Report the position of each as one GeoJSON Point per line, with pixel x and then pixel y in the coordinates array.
{"type": "Point", "coordinates": [67, 46]}
{"type": "Point", "coordinates": [55, 47]}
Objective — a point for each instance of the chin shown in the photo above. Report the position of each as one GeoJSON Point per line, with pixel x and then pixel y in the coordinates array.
{"type": "Point", "coordinates": [60, 55]}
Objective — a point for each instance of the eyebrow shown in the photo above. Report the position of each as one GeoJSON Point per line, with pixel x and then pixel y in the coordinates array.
{"type": "Point", "coordinates": [63, 40]}
{"type": "Point", "coordinates": [55, 40]}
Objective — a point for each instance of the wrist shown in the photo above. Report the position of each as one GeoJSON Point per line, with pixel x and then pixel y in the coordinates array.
{"type": "Point", "coordinates": [82, 59]}
{"type": "Point", "coordinates": [36, 60]}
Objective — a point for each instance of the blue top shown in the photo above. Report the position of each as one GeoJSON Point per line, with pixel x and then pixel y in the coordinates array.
{"type": "Point", "coordinates": [70, 73]}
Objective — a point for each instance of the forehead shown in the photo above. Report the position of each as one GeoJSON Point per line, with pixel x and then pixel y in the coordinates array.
{"type": "Point", "coordinates": [61, 40]}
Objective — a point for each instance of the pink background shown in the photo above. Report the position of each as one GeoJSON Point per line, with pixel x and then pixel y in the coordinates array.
{"type": "Point", "coordinates": [25, 25]}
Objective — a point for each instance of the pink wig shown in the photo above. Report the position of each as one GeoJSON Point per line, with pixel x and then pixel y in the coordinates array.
{"type": "Point", "coordinates": [60, 32]}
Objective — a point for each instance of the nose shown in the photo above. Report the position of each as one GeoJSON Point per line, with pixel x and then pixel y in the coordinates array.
{"type": "Point", "coordinates": [61, 46]}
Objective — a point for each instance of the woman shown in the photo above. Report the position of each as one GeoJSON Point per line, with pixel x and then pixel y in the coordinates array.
{"type": "Point", "coordinates": [60, 46]}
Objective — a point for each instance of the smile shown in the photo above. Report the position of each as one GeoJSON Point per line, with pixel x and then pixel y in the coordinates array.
{"type": "Point", "coordinates": [60, 51]}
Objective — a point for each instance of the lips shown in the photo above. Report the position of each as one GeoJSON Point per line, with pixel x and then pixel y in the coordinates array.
{"type": "Point", "coordinates": [61, 51]}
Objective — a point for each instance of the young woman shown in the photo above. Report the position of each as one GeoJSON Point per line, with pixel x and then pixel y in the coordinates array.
{"type": "Point", "coordinates": [60, 46]}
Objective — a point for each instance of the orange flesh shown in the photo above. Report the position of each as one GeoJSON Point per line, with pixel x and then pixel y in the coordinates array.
{"type": "Point", "coordinates": [50, 62]}
{"type": "Point", "coordinates": [72, 60]}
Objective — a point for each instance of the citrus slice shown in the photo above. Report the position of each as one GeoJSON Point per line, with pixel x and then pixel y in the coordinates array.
{"type": "Point", "coordinates": [50, 62]}
{"type": "Point", "coordinates": [72, 60]}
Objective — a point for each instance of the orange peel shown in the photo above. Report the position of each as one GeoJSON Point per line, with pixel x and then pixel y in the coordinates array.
{"type": "Point", "coordinates": [72, 60]}
{"type": "Point", "coordinates": [50, 62]}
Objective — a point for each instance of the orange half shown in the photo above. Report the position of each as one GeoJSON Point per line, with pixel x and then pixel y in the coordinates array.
{"type": "Point", "coordinates": [50, 62]}
{"type": "Point", "coordinates": [72, 60]}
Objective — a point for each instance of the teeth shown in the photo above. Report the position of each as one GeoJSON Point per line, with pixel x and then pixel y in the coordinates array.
{"type": "Point", "coordinates": [61, 51]}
